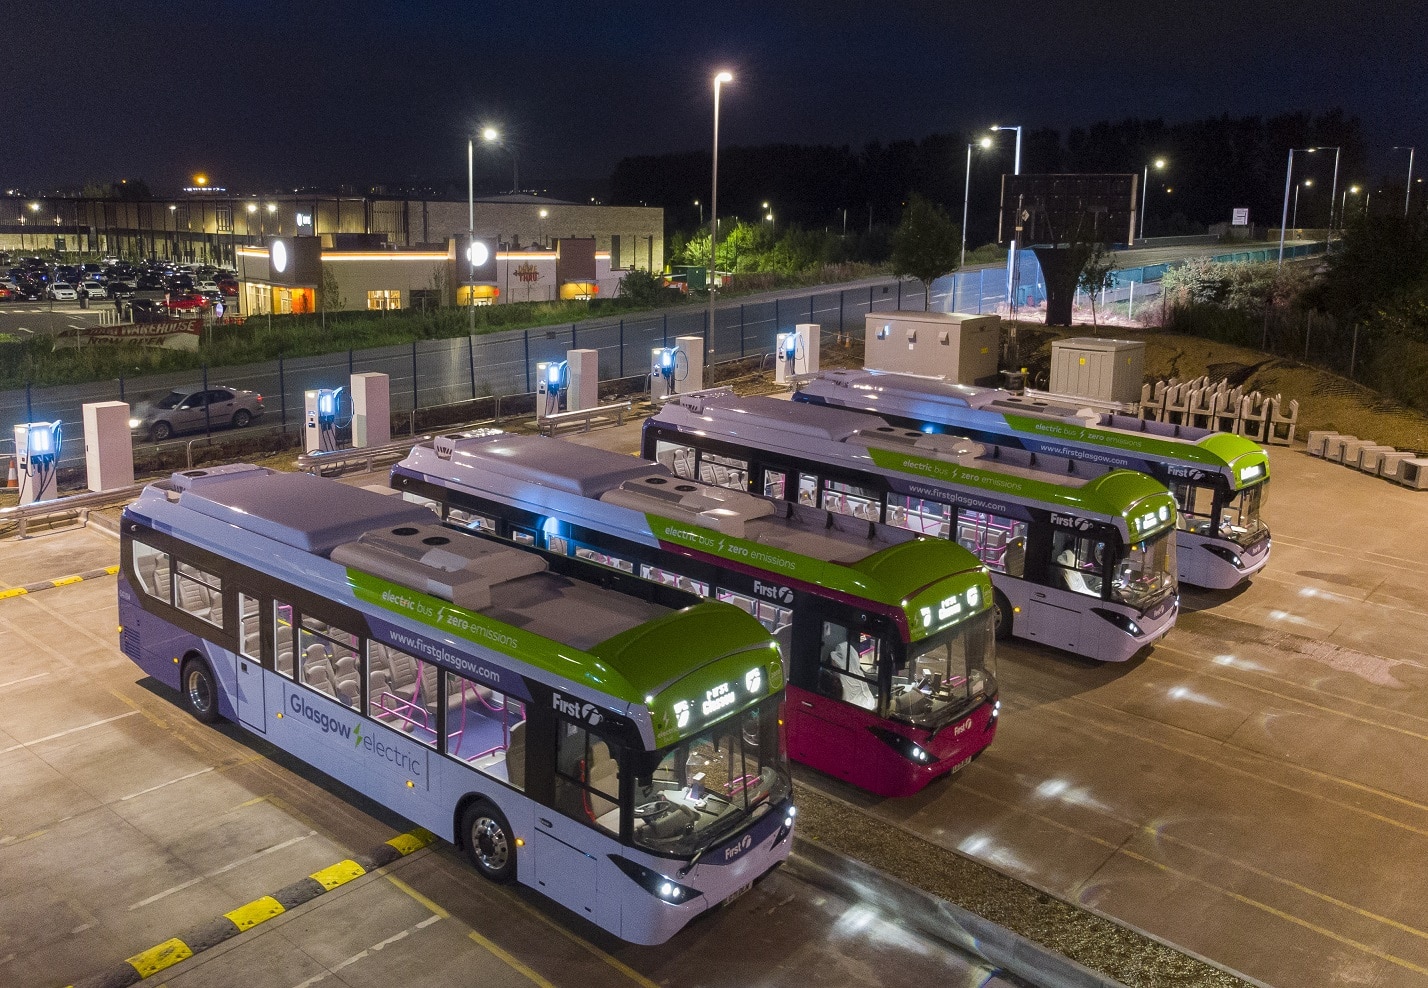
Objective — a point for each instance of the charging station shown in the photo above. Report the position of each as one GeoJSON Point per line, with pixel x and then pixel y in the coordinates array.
{"type": "Point", "coordinates": [371, 409]}
{"type": "Point", "coordinates": [108, 446]}
{"type": "Point", "coordinates": [582, 379]}
{"type": "Point", "coordinates": [37, 450]}
{"type": "Point", "coordinates": [796, 352]}
{"type": "Point", "coordinates": [550, 387]}
{"type": "Point", "coordinates": [668, 368]}
{"type": "Point", "coordinates": [319, 434]}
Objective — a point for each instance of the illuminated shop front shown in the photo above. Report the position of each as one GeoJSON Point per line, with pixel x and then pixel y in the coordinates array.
{"type": "Point", "coordinates": [289, 275]}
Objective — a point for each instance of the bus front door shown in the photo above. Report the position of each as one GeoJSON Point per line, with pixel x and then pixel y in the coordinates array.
{"type": "Point", "coordinates": [252, 706]}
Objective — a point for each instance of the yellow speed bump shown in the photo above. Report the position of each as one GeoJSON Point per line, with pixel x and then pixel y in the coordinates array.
{"type": "Point", "coordinates": [247, 916]}
{"type": "Point", "coordinates": [155, 959]}
{"type": "Point", "coordinates": [338, 874]}
{"type": "Point", "coordinates": [412, 841]}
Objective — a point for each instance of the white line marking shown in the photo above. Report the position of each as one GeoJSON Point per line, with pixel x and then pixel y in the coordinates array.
{"type": "Point", "coordinates": [82, 727]}
{"type": "Point", "coordinates": [13, 682]}
{"type": "Point", "coordinates": [370, 950]}
{"type": "Point", "coordinates": [218, 871]}
{"type": "Point", "coordinates": [13, 747]}
{"type": "Point", "coordinates": [161, 785]}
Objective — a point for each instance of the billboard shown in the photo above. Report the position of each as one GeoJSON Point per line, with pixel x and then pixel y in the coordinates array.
{"type": "Point", "coordinates": [1063, 209]}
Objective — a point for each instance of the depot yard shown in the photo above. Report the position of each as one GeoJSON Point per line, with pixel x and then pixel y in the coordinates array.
{"type": "Point", "coordinates": [1246, 791]}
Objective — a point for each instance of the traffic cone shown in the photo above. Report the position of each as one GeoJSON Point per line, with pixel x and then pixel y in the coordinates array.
{"type": "Point", "coordinates": [12, 478]}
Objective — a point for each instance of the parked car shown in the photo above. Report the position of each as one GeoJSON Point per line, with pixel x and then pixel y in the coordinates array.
{"type": "Point", "coordinates": [206, 286]}
{"type": "Point", "coordinates": [62, 292]}
{"type": "Point", "coordinates": [228, 286]}
{"type": "Point", "coordinates": [187, 302]}
{"type": "Point", "coordinates": [145, 310]}
{"type": "Point", "coordinates": [118, 288]}
{"type": "Point", "coordinates": [28, 291]}
{"type": "Point", "coordinates": [6, 292]}
{"type": "Point", "coordinates": [193, 408]}
{"type": "Point", "coordinates": [93, 289]}
{"type": "Point", "coordinates": [211, 297]}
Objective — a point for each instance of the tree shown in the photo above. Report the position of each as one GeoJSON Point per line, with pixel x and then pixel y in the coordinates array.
{"type": "Point", "coordinates": [926, 245]}
{"type": "Point", "coordinates": [329, 296]}
{"type": "Point", "coordinates": [1097, 273]}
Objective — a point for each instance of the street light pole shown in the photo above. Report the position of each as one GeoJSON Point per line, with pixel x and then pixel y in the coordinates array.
{"type": "Point", "coordinates": [966, 192]}
{"type": "Point", "coordinates": [470, 234]}
{"type": "Point", "coordinates": [1333, 188]}
{"type": "Point", "coordinates": [1011, 249]}
{"type": "Point", "coordinates": [1145, 192]}
{"type": "Point", "coordinates": [1284, 214]}
{"type": "Point", "coordinates": [1408, 189]}
{"type": "Point", "coordinates": [719, 81]}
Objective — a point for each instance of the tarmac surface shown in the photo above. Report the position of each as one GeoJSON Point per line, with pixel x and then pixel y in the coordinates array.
{"type": "Point", "coordinates": [1248, 791]}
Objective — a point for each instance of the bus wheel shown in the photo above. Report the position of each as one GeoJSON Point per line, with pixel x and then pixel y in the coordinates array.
{"type": "Point", "coordinates": [200, 693]}
{"type": "Point", "coordinates": [489, 842]}
{"type": "Point", "coordinates": [1001, 615]}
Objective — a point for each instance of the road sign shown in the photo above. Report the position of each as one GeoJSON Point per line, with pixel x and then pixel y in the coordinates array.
{"type": "Point", "coordinates": [1240, 216]}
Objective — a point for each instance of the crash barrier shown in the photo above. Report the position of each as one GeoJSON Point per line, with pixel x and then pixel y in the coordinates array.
{"type": "Point", "coordinates": [1404, 467]}
{"type": "Point", "coordinates": [1201, 405]}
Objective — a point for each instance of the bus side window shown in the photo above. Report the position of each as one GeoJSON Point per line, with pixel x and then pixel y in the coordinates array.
{"type": "Point", "coordinates": [557, 545]}
{"type": "Point", "coordinates": [808, 489]}
{"type": "Point", "coordinates": [329, 660]}
{"type": "Point", "coordinates": [917, 515]}
{"type": "Point", "coordinates": [283, 638]}
{"type": "Point", "coordinates": [1079, 562]}
{"type": "Point", "coordinates": [520, 537]}
{"type": "Point", "coordinates": [486, 729]}
{"type": "Point", "coordinates": [199, 593]}
{"type": "Point", "coordinates": [672, 579]}
{"type": "Point", "coordinates": [153, 567]}
{"type": "Point", "coordinates": [249, 637]}
{"type": "Point", "coordinates": [724, 471]}
{"type": "Point", "coordinates": [1197, 507]}
{"type": "Point", "coordinates": [1000, 543]}
{"type": "Point", "coordinates": [850, 499]}
{"type": "Point", "coordinates": [848, 668]}
{"type": "Point", "coordinates": [394, 682]}
{"type": "Point", "coordinates": [679, 459]}
{"type": "Point", "coordinates": [587, 777]}
{"type": "Point", "coordinates": [774, 483]}
{"type": "Point", "coordinates": [471, 520]}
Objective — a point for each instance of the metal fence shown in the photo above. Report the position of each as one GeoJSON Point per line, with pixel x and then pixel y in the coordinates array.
{"type": "Point", "coordinates": [430, 373]}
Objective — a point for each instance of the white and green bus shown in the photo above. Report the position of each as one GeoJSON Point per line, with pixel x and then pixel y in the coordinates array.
{"type": "Point", "coordinates": [1219, 480]}
{"type": "Point", "coordinates": [1081, 563]}
{"type": "Point", "coordinates": [622, 756]}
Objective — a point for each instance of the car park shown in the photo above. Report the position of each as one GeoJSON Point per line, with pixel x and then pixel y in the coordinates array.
{"type": "Point", "coordinates": [62, 292]}
{"type": "Point", "coordinates": [194, 408]}
{"type": "Point", "coordinates": [92, 289]}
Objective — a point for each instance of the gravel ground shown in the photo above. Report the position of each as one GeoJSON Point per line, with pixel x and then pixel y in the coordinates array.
{"type": "Point", "coordinates": [1130, 957]}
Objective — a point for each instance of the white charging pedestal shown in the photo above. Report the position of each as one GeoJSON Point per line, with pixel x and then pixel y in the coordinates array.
{"type": "Point", "coordinates": [371, 409]}
{"type": "Point", "coordinates": [693, 347]}
{"type": "Point", "coordinates": [108, 446]}
{"type": "Point", "coordinates": [805, 359]}
{"type": "Point", "coordinates": [582, 376]}
{"type": "Point", "coordinates": [550, 375]}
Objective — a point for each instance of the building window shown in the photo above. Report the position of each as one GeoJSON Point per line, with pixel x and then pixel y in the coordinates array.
{"type": "Point", "coordinates": [423, 299]}
{"type": "Point", "coordinates": [223, 218]}
{"type": "Point", "coordinates": [385, 299]}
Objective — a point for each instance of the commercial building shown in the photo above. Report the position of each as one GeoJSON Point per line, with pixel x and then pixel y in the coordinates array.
{"type": "Point", "coordinates": [209, 225]}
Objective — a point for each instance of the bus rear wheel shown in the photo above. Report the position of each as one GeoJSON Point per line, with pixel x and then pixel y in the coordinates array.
{"type": "Point", "coordinates": [200, 692]}
{"type": "Point", "coordinates": [490, 845]}
{"type": "Point", "coordinates": [1001, 615]}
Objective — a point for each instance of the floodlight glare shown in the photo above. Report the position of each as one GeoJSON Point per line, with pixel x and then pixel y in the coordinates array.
{"type": "Point", "coordinates": [490, 134]}
{"type": "Point", "coordinates": [723, 77]}
{"type": "Point", "coordinates": [478, 253]}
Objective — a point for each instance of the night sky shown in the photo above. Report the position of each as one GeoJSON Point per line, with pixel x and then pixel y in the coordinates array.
{"type": "Point", "coordinates": [264, 95]}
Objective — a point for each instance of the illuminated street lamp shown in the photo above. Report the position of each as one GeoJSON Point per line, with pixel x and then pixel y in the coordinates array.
{"type": "Point", "coordinates": [1307, 181]}
{"type": "Point", "coordinates": [543, 214]}
{"type": "Point", "coordinates": [984, 143]}
{"type": "Point", "coordinates": [1343, 201]}
{"type": "Point", "coordinates": [701, 211]}
{"type": "Point", "coordinates": [1011, 247]}
{"type": "Point", "coordinates": [493, 136]}
{"type": "Point", "coordinates": [1145, 191]}
{"type": "Point", "coordinates": [719, 81]}
{"type": "Point", "coordinates": [1407, 189]}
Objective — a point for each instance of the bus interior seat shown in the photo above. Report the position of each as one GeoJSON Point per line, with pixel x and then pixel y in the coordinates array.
{"type": "Point", "coordinates": [318, 675]}
{"type": "Point", "coordinates": [347, 679]}
{"type": "Point", "coordinates": [284, 663]}
{"type": "Point", "coordinates": [857, 692]}
{"type": "Point", "coordinates": [404, 672]}
{"type": "Point", "coordinates": [1077, 582]}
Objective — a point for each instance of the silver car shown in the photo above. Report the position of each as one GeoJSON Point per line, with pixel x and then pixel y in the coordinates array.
{"type": "Point", "coordinates": [193, 409]}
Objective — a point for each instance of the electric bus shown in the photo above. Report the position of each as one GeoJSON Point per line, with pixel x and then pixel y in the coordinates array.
{"type": "Point", "coordinates": [1219, 480]}
{"type": "Point", "coordinates": [621, 756]}
{"type": "Point", "coordinates": [887, 637]}
{"type": "Point", "coordinates": [1080, 563]}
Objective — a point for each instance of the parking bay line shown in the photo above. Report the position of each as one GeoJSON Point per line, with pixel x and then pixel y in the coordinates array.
{"type": "Point", "coordinates": [162, 785]}
{"type": "Point", "coordinates": [219, 871]}
{"type": "Point", "coordinates": [361, 954]}
{"type": "Point", "coordinates": [72, 730]}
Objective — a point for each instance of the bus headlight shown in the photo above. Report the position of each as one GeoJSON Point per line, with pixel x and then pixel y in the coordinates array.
{"type": "Point", "coordinates": [905, 747]}
{"type": "Point", "coordinates": [1122, 621]}
{"type": "Point", "coordinates": [1228, 555]}
{"type": "Point", "coordinates": [660, 886]}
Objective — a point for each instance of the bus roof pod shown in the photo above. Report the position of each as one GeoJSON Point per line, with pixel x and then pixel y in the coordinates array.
{"type": "Point", "coordinates": [429, 559]}
{"type": "Point", "coordinates": [717, 508]}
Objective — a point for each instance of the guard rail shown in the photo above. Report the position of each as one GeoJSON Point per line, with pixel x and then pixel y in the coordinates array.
{"type": "Point", "coordinates": [21, 515]}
